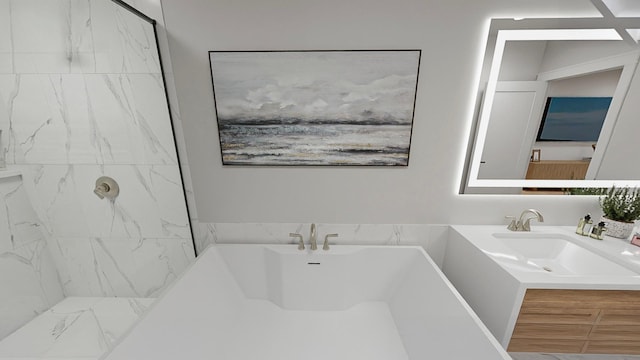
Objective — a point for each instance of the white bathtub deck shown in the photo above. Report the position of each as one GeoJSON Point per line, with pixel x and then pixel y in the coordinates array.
{"type": "Point", "coordinates": [256, 302]}
{"type": "Point", "coordinates": [267, 332]}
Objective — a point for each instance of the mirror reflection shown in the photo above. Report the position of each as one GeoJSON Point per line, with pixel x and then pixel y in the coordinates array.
{"type": "Point", "coordinates": [560, 117]}
{"type": "Point", "coordinates": [557, 107]}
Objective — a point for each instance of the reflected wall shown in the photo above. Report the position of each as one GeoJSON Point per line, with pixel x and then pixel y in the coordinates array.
{"type": "Point", "coordinates": [537, 59]}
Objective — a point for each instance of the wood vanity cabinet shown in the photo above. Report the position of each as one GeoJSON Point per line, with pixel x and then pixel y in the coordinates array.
{"type": "Point", "coordinates": [578, 321]}
{"type": "Point", "coordinates": [557, 169]}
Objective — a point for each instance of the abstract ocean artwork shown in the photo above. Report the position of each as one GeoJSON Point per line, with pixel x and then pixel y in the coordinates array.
{"type": "Point", "coordinates": [311, 108]}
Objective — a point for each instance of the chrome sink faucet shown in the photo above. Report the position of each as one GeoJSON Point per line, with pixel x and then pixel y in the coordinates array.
{"type": "Point", "coordinates": [524, 222]}
{"type": "Point", "coordinates": [313, 238]}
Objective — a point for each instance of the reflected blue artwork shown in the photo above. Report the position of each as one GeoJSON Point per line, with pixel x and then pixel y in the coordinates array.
{"type": "Point", "coordinates": [573, 118]}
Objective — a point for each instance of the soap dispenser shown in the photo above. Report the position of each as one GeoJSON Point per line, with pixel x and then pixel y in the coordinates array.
{"type": "Point", "coordinates": [598, 230]}
{"type": "Point", "coordinates": [584, 225]}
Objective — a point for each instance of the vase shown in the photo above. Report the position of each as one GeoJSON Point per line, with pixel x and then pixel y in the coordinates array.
{"type": "Point", "coordinates": [618, 229]}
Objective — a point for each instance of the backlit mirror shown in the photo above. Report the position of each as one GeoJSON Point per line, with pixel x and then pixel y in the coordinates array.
{"type": "Point", "coordinates": [556, 107]}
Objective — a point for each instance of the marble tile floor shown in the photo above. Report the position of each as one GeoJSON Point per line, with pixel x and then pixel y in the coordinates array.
{"type": "Point", "coordinates": [77, 328]}
{"type": "Point", "coordinates": [545, 356]}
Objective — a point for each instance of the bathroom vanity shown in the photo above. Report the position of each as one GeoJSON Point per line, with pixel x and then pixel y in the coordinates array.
{"type": "Point", "coordinates": [578, 321]}
{"type": "Point", "coordinates": [549, 290]}
{"type": "Point", "coordinates": [557, 169]}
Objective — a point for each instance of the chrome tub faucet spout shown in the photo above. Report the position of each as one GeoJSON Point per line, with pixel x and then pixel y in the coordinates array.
{"type": "Point", "coordinates": [313, 238]}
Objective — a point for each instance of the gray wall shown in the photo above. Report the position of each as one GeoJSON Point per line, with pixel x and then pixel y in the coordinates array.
{"type": "Point", "coordinates": [452, 35]}
{"type": "Point", "coordinates": [621, 159]}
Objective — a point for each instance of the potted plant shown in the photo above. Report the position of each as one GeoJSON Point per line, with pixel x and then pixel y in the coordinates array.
{"type": "Point", "coordinates": [621, 208]}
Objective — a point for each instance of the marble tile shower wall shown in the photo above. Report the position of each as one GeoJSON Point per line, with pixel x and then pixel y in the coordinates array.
{"type": "Point", "coordinates": [29, 283]}
{"type": "Point", "coordinates": [81, 96]}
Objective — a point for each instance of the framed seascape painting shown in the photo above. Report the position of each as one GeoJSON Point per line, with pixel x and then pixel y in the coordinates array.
{"type": "Point", "coordinates": [330, 108]}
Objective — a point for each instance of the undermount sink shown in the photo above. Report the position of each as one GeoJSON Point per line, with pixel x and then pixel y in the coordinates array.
{"type": "Point", "coordinates": [556, 254]}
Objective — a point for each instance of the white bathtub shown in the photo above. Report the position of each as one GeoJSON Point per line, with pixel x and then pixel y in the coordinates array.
{"type": "Point", "coordinates": [274, 302]}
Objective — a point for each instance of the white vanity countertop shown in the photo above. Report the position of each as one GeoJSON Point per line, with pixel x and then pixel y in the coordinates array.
{"type": "Point", "coordinates": [616, 250]}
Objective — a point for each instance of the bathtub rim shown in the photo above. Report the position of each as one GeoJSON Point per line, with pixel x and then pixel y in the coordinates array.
{"type": "Point", "coordinates": [212, 247]}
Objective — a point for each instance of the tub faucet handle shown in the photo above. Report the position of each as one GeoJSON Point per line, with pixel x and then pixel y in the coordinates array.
{"type": "Point", "coordinates": [312, 238]}
{"type": "Point", "coordinates": [300, 241]}
{"type": "Point", "coordinates": [326, 241]}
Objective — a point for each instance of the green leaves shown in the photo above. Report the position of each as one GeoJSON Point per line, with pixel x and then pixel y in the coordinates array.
{"type": "Point", "coordinates": [621, 204]}
{"type": "Point", "coordinates": [586, 191]}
